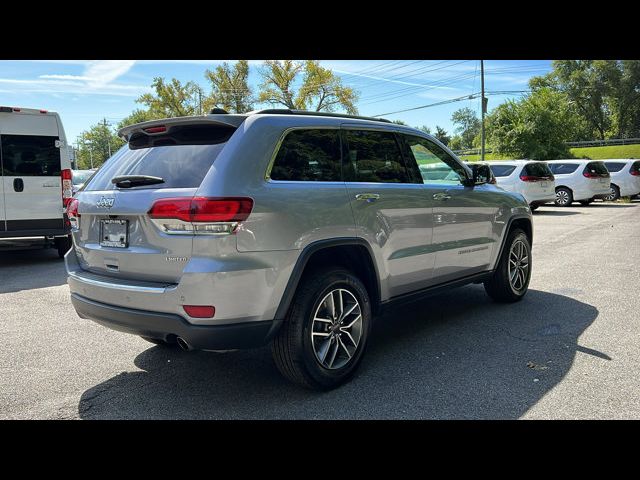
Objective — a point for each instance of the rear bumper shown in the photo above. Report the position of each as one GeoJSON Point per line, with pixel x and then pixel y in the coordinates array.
{"type": "Point", "coordinates": [167, 326]}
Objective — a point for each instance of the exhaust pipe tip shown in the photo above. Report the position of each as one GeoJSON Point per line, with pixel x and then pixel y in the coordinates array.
{"type": "Point", "coordinates": [182, 343]}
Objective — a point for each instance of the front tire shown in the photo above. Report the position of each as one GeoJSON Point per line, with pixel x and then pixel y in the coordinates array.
{"type": "Point", "coordinates": [564, 197]}
{"type": "Point", "coordinates": [510, 281]}
{"type": "Point", "coordinates": [325, 332]}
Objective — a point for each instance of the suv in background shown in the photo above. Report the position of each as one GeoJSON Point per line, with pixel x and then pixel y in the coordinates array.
{"type": "Point", "coordinates": [625, 178]}
{"type": "Point", "coordinates": [579, 181]}
{"type": "Point", "coordinates": [533, 180]}
{"type": "Point", "coordinates": [229, 231]}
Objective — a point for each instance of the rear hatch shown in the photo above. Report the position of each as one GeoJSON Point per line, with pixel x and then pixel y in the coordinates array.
{"type": "Point", "coordinates": [114, 234]}
{"type": "Point", "coordinates": [635, 172]}
{"type": "Point", "coordinates": [538, 181]}
{"type": "Point", "coordinates": [597, 176]}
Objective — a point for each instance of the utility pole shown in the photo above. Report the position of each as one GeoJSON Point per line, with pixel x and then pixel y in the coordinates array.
{"type": "Point", "coordinates": [484, 107]}
{"type": "Point", "coordinates": [106, 126]}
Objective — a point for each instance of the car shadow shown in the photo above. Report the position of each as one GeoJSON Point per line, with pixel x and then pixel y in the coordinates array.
{"type": "Point", "coordinates": [456, 355]}
{"type": "Point", "coordinates": [30, 269]}
{"type": "Point", "coordinates": [609, 205]}
{"type": "Point", "coordinates": [554, 213]}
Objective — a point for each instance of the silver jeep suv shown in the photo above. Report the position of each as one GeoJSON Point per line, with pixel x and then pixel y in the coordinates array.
{"type": "Point", "coordinates": [226, 231]}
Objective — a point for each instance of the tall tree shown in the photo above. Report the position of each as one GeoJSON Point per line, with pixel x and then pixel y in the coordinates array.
{"type": "Point", "coordinates": [95, 144]}
{"type": "Point", "coordinates": [441, 134]}
{"type": "Point", "coordinates": [425, 129]}
{"type": "Point", "coordinates": [467, 125]}
{"type": "Point", "coordinates": [319, 90]}
{"type": "Point", "coordinates": [230, 88]}
{"type": "Point", "coordinates": [137, 116]}
{"type": "Point", "coordinates": [172, 99]}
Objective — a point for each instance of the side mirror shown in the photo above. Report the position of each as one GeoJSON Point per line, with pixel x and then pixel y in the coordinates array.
{"type": "Point", "coordinates": [481, 174]}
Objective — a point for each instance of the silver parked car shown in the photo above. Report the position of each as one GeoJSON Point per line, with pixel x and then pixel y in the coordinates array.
{"type": "Point", "coordinates": [230, 231]}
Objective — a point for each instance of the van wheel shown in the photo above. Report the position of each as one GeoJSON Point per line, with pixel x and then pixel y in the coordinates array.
{"type": "Point", "coordinates": [63, 244]}
{"type": "Point", "coordinates": [510, 281]}
{"type": "Point", "coordinates": [564, 197]}
{"type": "Point", "coordinates": [325, 332]}
{"type": "Point", "coordinates": [614, 195]}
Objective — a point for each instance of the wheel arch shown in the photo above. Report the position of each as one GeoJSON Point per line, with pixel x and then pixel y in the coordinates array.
{"type": "Point", "coordinates": [519, 221]}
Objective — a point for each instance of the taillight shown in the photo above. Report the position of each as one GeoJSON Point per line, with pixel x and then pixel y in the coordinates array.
{"type": "Point", "coordinates": [635, 173]}
{"type": "Point", "coordinates": [200, 311]}
{"type": "Point", "coordinates": [158, 129]}
{"type": "Point", "coordinates": [67, 187]}
{"type": "Point", "coordinates": [200, 214]}
{"type": "Point", "coordinates": [73, 216]}
{"type": "Point", "coordinates": [529, 178]}
{"type": "Point", "coordinates": [591, 175]}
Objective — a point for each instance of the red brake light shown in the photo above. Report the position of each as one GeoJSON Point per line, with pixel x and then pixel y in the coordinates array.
{"type": "Point", "coordinates": [43, 111]}
{"type": "Point", "coordinates": [635, 173]}
{"type": "Point", "coordinates": [202, 209]}
{"type": "Point", "coordinates": [72, 208]}
{"type": "Point", "coordinates": [590, 175]}
{"type": "Point", "coordinates": [16, 109]}
{"type": "Point", "coordinates": [529, 178]}
{"type": "Point", "coordinates": [67, 186]}
{"type": "Point", "coordinates": [158, 129]}
{"type": "Point", "coordinates": [200, 311]}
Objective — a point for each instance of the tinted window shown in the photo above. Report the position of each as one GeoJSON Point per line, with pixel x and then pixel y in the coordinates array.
{"type": "Point", "coordinates": [614, 166]}
{"type": "Point", "coordinates": [502, 170]}
{"type": "Point", "coordinates": [596, 167]}
{"type": "Point", "coordinates": [374, 157]}
{"type": "Point", "coordinates": [180, 166]}
{"type": "Point", "coordinates": [537, 169]}
{"type": "Point", "coordinates": [635, 167]}
{"type": "Point", "coordinates": [308, 155]}
{"type": "Point", "coordinates": [434, 163]}
{"type": "Point", "coordinates": [30, 156]}
{"type": "Point", "coordinates": [78, 177]}
{"type": "Point", "coordinates": [563, 168]}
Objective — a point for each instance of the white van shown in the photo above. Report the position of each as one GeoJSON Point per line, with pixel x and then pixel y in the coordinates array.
{"type": "Point", "coordinates": [580, 180]}
{"type": "Point", "coordinates": [35, 178]}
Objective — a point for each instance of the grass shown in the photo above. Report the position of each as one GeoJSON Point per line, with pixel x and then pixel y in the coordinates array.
{"type": "Point", "coordinates": [593, 153]}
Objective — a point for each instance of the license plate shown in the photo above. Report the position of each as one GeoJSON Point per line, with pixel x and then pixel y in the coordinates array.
{"type": "Point", "coordinates": [603, 180]}
{"type": "Point", "coordinates": [114, 233]}
{"type": "Point", "coordinates": [543, 184]}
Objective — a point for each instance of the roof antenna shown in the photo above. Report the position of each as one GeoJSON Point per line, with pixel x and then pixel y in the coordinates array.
{"type": "Point", "coordinates": [215, 111]}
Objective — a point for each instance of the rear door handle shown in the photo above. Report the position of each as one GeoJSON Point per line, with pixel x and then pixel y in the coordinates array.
{"type": "Point", "coordinates": [18, 184]}
{"type": "Point", "coordinates": [368, 197]}
{"type": "Point", "coordinates": [441, 196]}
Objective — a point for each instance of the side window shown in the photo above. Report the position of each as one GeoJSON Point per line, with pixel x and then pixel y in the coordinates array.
{"type": "Point", "coordinates": [563, 168]}
{"type": "Point", "coordinates": [30, 156]}
{"type": "Point", "coordinates": [308, 156]}
{"type": "Point", "coordinates": [374, 156]}
{"type": "Point", "coordinates": [435, 165]}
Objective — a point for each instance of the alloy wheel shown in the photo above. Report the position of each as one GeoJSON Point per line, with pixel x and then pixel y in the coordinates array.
{"type": "Point", "coordinates": [518, 265]}
{"type": "Point", "coordinates": [562, 197]}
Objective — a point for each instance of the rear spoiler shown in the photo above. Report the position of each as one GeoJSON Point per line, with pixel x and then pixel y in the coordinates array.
{"type": "Point", "coordinates": [222, 120]}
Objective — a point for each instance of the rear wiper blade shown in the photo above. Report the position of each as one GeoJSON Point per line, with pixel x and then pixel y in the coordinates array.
{"type": "Point", "coordinates": [128, 181]}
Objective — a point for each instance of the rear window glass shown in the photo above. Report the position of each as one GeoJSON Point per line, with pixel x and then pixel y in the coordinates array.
{"type": "Point", "coordinates": [596, 167]}
{"type": "Point", "coordinates": [78, 177]}
{"type": "Point", "coordinates": [537, 169]}
{"type": "Point", "coordinates": [308, 156]}
{"type": "Point", "coordinates": [635, 167]}
{"type": "Point", "coordinates": [563, 168]}
{"type": "Point", "coordinates": [180, 166]}
{"type": "Point", "coordinates": [614, 166]}
{"type": "Point", "coordinates": [30, 156]}
{"type": "Point", "coordinates": [502, 170]}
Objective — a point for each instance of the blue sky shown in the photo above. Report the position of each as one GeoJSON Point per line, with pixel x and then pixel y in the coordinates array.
{"type": "Point", "coordinates": [84, 92]}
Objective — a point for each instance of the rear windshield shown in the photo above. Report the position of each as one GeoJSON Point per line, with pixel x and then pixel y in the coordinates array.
{"type": "Point", "coordinates": [537, 169]}
{"type": "Point", "coordinates": [181, 158]}
{"type": "Point", "coordinates": [502, 170]}
{"type": "Point", "coordinates": [78, 177]}
{"type": "Point", "coordinates": [563, 168]}
{"type": "Point", "coordinates": [614, 166]}
{"type": "Point", "coordinates": [596, 167]}
{"type": "Point", "coordinates": [635, 167]}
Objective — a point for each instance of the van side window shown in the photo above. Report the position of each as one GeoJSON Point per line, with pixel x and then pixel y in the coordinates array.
{"type": "Point", "coordinates": [434, 163]}
{"type": "Point", "coordinates": [563, 168]}
{"type": "Point", "coordinates": [309, 156]}
{"type": "Point", "coordinates": [374, 156]}
{"type": "Point", "coordinates": [30, 156]}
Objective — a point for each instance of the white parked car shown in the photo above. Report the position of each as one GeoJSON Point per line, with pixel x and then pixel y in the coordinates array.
{"type": "Point", "coordinates": [625, 178]}
{"type": "Point", "coordinates": [532, 179]}
{"type": "Point", "coordinates": [579, 180]}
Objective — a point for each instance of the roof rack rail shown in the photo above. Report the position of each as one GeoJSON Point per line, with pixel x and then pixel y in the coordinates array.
{"type": "Point", "coordinates": [287, 111]}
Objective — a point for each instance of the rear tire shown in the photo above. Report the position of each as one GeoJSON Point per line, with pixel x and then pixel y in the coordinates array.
{"type": "Point", "coordinates": [504, 286]}
{"type": "Point", "coordinates": [564, 197]}
{"type": "Point", "coordinates": [311, 348]}
{"type": "Point", "coordinates": [614, 195]}
{"type": "Point", "coordinates": [63, 244]}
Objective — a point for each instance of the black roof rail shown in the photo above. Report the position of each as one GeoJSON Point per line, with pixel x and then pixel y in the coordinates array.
{"type": "Point", "coordinates": [287, 111]}
{"type": "Point", "coordinates": [215, 111]}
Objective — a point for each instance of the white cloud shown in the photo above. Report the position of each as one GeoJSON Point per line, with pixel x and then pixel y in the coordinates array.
{"type": "Point", "coordinates": [65, 77]}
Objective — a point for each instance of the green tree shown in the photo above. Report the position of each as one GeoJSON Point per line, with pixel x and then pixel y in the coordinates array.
{"type": "Point", "coordinates": [399, 122]}
{"type": "Point", "coordinates": [230, 88]}
{"type": "Point", "coordinates": [467, 125]}
{"type": "Point", "coordinates": [138, 116]}
{"type": "Point", "coordinates": [173, 99]}
{"type": "Point", "coordinates": [319, 90]}
{"type": "Point", "coordinates": [95, 144]}
{"type": "Point", "coordinates": [536, 126]}
{"type": "Point", "coordinates": [441, 134]}
{"type": "Point", "coordinates": [456, 143]}
{"type": "Point", "coordinates": [425, 129]}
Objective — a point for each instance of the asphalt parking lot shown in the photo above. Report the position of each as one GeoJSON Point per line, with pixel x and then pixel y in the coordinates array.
{"type": "Point", "coordinates": [569, 350]}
